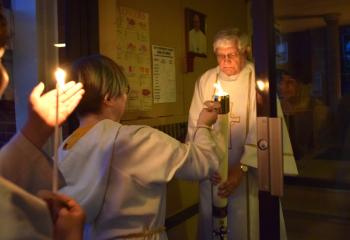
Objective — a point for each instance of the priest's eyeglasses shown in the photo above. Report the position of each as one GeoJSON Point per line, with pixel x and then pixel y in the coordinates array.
{"type": "Point", "coordinates": [227, 57]}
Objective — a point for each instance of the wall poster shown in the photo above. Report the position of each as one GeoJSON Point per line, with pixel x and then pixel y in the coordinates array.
{"type": "Point", "coordinates": [133, 54]}
{"type": "Point", "coordinates": [164, 80]}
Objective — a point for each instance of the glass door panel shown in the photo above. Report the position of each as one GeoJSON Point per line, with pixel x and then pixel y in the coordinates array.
{"type": "Point", "coordinates": [313, 85]}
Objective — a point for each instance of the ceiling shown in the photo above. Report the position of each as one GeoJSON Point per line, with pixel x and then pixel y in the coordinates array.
{"type": "Point", "coordinates": [298, 15]}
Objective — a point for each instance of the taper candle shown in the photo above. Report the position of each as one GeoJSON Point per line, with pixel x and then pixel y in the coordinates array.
{"type": "Point", "coordinates": [221, 129]}
{"type": "Point", "coordinates": [60, 76]}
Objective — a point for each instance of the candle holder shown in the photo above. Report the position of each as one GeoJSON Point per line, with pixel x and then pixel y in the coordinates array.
{"type": "Point", "coordinates": [224, 103]}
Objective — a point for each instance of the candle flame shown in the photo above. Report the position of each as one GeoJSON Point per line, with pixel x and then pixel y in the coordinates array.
{"type": "Point", "coordinates": [219, 91]}
{"type": "Point", "coordinates": [60, 76]}
{"type": "Point", "coordinates": [261, 85]}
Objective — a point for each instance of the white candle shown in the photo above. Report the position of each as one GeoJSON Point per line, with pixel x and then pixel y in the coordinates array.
{"type": "Point", "coordinates": [221, 129]}
{"type": "Point", "coordinates": [60, 76]}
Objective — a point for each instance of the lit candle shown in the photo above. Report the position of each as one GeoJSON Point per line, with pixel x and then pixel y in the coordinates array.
{"type": "Point", "coordinates": [221, 129]}
{"type": "Point", "coordinates": [60, 76]}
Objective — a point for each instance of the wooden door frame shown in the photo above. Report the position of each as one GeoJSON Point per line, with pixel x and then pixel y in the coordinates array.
{"type": "Point", "coordinates": [264, 58]}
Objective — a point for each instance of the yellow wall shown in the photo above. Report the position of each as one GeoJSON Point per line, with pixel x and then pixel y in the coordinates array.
{"type": "Point", "coordinates": [167, 21]}
{"type": "Point", "coordinates": [167, 28]}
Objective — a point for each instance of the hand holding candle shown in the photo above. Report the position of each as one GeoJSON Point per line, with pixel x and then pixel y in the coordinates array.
{"type": "Point", "coordinates": [42, 111]}
{"type": "Point", "coordinates": [44, 105]}
{"type": "Point", "coordinates": [209, 114]}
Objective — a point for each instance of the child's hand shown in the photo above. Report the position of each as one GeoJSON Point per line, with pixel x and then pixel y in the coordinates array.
{"type": "Point", "coordinates": [208, 115]}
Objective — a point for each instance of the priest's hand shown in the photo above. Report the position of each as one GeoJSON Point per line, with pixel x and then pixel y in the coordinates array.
{"type": "Point", "coordinates": [209, 114]}
{"type": "Point", "coordinates": [42, 110]}
{"type": "Point", "coordinates": [234, 178]}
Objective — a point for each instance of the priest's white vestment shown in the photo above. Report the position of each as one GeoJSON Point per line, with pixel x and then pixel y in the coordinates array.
{"type": "Point", "coordinates": [243, 207]}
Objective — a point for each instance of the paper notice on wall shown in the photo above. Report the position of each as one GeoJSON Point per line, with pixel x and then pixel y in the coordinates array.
{"type": "Point", "coordinates": [164, 79]}
{"type": "Point", "coordinates": [133, 54]}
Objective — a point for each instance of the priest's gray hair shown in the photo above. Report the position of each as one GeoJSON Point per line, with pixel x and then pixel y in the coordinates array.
{"type": "Point", "coordinates": [231, 36]}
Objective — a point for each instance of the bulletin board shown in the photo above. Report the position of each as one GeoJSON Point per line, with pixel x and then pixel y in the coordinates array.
{"type": "Point", "coordinates": [127, 33]}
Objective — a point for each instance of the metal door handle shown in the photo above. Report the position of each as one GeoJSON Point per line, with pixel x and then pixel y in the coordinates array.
{"type": "Point", "coordinates": [270, 155]}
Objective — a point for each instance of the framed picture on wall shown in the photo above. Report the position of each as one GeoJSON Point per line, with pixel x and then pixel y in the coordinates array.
{"type": "Point", "coordinates": [196, 34]}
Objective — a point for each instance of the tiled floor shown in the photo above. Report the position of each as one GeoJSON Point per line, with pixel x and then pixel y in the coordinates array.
{"type": "Point", "coordinates": [319, 212]}
{"type": "Point", "coordinates": [301, 226]}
